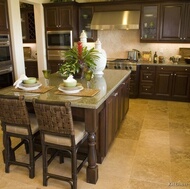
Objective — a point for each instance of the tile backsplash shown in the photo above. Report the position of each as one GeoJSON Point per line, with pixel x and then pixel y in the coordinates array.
{"type": "Point", "coordinates": [116, 43]}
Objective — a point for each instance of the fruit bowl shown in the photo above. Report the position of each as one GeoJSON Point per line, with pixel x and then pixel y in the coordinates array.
{"type": "Point", "coordinates": [30, 80]}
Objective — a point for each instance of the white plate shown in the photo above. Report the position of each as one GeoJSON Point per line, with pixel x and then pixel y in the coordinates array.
{"type": "Point", "coordinates": [71, 91]}
{"type": "Point", "coordinates": [31, 85]}
{"type": "Point", "coordinates": [78, 86]}
{"type": "Point", "coordinates": [29, 88]}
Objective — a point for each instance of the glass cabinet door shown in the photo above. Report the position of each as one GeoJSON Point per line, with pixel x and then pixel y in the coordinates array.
{"type": "Point", "coordinates": [85, 18]}
{"type": "Point", "coordinates": [149, 23]}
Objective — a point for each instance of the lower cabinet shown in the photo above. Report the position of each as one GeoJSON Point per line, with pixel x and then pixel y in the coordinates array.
{"type": "Point", "coordinates": [54, 65]}
{"type": "Point", "coordinates": [117, 106]}
{"type": "Point", "coordinates": [147, 78]}
{"type": "Point", "coordinates": [31, 68]}
{"type": "Point", "coordinates": [172, 83]}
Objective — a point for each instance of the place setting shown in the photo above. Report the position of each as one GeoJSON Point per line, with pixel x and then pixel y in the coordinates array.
{"type": "Point", "coordinates": [70, 86]}
{"type": "Point", "coordinates": [30, 84]}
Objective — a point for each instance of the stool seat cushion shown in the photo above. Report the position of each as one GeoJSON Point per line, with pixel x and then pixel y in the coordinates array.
{"type": "Point", "coordinates": [79, 128]}
{"type": "Point", "coordinates": [23, 130]}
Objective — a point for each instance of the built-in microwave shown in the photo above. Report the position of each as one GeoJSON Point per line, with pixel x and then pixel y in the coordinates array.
{"type": "Point", "coordinates": [59, 39]}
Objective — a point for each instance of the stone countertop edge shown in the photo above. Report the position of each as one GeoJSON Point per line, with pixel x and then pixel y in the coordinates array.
{"type": "Point", "coordinates": [164, 64]}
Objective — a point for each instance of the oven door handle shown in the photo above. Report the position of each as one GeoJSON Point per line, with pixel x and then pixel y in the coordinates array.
{"type": "Point", "coordinates": [6, 70]}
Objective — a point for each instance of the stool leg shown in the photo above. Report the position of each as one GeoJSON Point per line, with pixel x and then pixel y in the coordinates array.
{"type": "Point", "coordinates": [31, 160]}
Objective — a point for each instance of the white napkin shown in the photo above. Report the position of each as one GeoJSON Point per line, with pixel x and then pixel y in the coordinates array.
{"type": "Point", "coordinates": [19, 80]}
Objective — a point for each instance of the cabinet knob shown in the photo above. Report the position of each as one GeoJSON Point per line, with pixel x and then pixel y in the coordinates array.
{"type": "Point", "coordinates": [175, 74]}
{"type": "Point", "coordinates": [147, 68]}
{"type": "Point", "coordinates": [171, 74]}
{"type": "Point", "coordinates": [146, 76]}
{"type": "Point", "coordinates": [186, 69]}
{"type": "Point", "coordinates": [115, 94]}
{"type": "Point", "coordinates": [162, 68]}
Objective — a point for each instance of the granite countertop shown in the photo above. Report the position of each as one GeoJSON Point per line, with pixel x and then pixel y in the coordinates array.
{"type": "Point", "coordinates": [106, 84]}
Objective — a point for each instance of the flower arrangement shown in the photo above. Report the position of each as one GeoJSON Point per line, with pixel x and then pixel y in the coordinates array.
{"type": "Point", "coordinates": [78, 59]}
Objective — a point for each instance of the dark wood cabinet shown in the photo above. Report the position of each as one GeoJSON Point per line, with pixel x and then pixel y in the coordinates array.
{"type": "Point", "coordinates": [147, 81]}
{"type": "Point", "coordinates": [58, 17]}
{"type": "Point", "coordinates": [54, 65]}
{"type": "Point", "coordinates": [149, 23]}
{"type": "Point", "coordinates": [31, 68]}
{"type": "Point", "coordinates": [4, 23]}
{"type": "Point", "coordinates": [117, 106]}
{"type": "Point", "coordinates": [28, 25]}
{"type": "Point", "coordinates": [175, 23]}
{"type": "Point", "coordinates": [172, 83]}
{"type": "Point", "coordinates": [85, 18]}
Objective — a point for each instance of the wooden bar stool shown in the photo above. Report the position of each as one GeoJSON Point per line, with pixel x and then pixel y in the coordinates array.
{"type": "Point", "coordinates": [18, 123]}
{"type": "Point", "coordinates": [59, 132]}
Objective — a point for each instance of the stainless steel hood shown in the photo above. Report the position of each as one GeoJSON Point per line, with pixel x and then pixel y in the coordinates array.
{"type": "Point", "coordinates": [115, 20]}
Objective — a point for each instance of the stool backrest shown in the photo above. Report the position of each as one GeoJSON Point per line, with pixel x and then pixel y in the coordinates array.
{"type": "Point", "coordinates": [13, 110]}
{"type": "Point", "coordinates": [54, 117]}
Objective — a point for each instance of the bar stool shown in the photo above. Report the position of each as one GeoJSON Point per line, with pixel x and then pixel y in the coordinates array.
{"type": "Point", "coordinates": [59, 132]}
{"type": "Point", "coordinates": [18, 123]}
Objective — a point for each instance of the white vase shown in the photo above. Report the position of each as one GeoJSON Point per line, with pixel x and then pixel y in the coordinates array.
{"type": "Point", "coordinates": [101, 61]}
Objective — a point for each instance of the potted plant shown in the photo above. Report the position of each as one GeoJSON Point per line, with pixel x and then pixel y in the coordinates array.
{"type": "Point", "coordinates": [78, 60]}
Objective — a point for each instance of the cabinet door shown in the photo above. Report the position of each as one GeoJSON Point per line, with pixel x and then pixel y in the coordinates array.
{"type": "Point", "coordinates": [3, 16]}
{"type": "Point", "coordinates": [163, 84]}
{"type": "Point", "coordinates": [51, 18]}
{"type": "Point", "coordinates": [31, 68]}
{"type": "Point", "coordinates": [171, 21]}
{"type": "Point", "coordinates": [28, 26]}
{"type": "Point", "coordinates": [65, 17]}
{"type": "Point", "coordinates": [110, 120]}
{"type": "Point", "coordinates": [149, 23]}
{"type": "Point", "coordinates": [85, 18]}
{"type": "Point", "coordinates": [186, 31]}
{"type": "Point", "coordinates": [181, 85]}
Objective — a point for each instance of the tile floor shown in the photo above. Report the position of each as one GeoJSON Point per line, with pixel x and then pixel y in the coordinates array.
{"type": "Point", "coordinates": [151, 151]}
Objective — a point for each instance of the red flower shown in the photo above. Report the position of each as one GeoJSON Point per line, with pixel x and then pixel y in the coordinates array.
{"type": "Point", "coordinates": [79, 50]}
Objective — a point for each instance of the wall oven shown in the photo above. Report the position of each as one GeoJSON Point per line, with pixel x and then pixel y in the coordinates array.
{"type": "Point", "coordinates": [6, 68]}
{"type": "Point", "coordinates": [59, 39]}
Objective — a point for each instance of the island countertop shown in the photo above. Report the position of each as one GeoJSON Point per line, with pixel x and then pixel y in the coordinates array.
{"type": "Point", "coordinates": [106, 84]}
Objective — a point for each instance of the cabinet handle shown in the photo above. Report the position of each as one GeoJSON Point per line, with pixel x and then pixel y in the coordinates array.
{"type": "Point", "coordinates": [115, 94]}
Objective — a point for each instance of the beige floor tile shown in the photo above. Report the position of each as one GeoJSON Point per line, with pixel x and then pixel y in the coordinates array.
{"type": "Point", "coordinates": [151, 151]}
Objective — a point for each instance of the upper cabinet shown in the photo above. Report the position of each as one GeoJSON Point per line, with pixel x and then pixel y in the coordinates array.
{"type": "Point", "coordinates": [175, 23]}
{"type": "Point", "coordinates": [149, 22]}
{"type": "Point", "coordinates": [165, 22]}
{"type": "Point", "coordinates": [85, 18]}
{"type": "Point", "coordinates": [28, 25]}
{"type": "Point", "coordinates": [61, 16]}
{"type": "Point", "coordinates": [4, 25]}
{"type": "Point", "coordinates": [57, 18]}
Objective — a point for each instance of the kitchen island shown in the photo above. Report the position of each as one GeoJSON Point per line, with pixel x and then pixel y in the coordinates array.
{"type": "Point", "coordinates": [102, 113]}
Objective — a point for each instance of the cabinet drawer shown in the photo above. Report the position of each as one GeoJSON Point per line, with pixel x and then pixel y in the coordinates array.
{"type": "Point", "coordinates": [147, 89]}
{"type": "Point", "coordinates": [151, 68]}
{"type": "Point", "coordinates": [147, 76]}
{"type": "Point", "coordinates": [173, 68]}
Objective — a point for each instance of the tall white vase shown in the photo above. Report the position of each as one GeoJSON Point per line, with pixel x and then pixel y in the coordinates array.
{"type": "Point", "coordinates": [101, 61]}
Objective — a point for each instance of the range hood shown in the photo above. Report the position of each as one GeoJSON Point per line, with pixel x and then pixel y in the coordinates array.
{"type": "Point", "coordinates": [115, 20]}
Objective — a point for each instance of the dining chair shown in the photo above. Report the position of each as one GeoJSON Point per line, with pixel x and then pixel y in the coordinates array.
{"type": "Point", "coordinates": [59, 132]}
{"type": "Point", "coordinates": [18, 123]}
